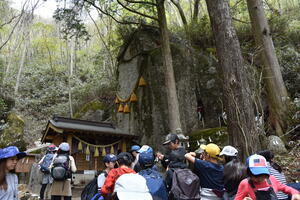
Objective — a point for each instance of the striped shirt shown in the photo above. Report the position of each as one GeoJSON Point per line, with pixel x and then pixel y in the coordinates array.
{"type": "Point", "coordinates": [280, 177]}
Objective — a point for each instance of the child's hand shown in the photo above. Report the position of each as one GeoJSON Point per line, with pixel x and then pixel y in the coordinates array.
{"type": "Point", "coordinates": [159, 156]}
{"type": "Point", "coordinates": [296, 197]}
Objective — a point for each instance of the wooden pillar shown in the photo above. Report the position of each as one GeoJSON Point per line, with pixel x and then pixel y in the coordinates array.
{"type": "Point", "coordinates": [69, 141]}
{"type": "Point", "coordinates": [124, 145]}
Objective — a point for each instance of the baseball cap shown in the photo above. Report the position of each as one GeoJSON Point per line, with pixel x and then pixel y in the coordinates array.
{"type": "Point", "coordinates": [109, 158]}
{"type": "Point", "coordinates": [145, 148]}
{"type": "Point", "coordinates": [135, 148]}
{"type": "Point", "coordinates": [132, 187]}
{"type": "Point", "coordinates": [52, 147]}
{"type": "Point", "coordinates": [171, 137]}
{"type": "Point", "coordinates": [257, 165]}
{"type": "Point", "coordinates": [211, 149]}
{"type": "Point", "coordinates": [229, 151]}
{"type": "Point", "coordinates": [64, 146]}
{"type": "Point", "coordinates": [146, 159]}
{"type": "Point", "coordinates": [11, 151]}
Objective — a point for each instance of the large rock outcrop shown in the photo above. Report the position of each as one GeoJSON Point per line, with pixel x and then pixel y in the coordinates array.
{"type": "Point", "coordinates": [195, 75]}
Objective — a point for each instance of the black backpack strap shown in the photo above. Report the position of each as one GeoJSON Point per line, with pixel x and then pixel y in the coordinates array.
{"type": "Point", "coordinates": [105, 173]}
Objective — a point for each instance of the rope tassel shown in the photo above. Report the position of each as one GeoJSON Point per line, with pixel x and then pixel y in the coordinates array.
{"type": "Point", "coordinates": [87, 151]}
{"type": "Point", "coordinates": [126, 109]}
{"type": "Point", "coordinates": [96, 154]}
{"type": "Point", "coordinates": [121, 108]}
{"type": "Point", "coordinates": [142, 82]}
{"type": "Point", "coordinates": [133, 97]}
{"type": "Point", "coordinates": [103, 151]}
{"type": "Point", "coordinates": [112, 151]}
{"type": "Point", "coordinates": [117, 100]}
{"type": "Point", "coordinates": [79, 146]}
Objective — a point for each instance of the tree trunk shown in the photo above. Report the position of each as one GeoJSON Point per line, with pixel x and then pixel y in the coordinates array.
{"type": "Point", "coordinates": [276, 90]}
{"type": "Point", "coordinates": [21, 66]}
{"type": "Point", "coordinates": [238, 103]}
{"type": "Point", "coordinates": [180, 10]}
{"type": "Point", "coordinates": [173, 105]}
{"type": "Point", "coordinates": [196, 11]}
{"type": "Point", "coordinates": [72, 66]}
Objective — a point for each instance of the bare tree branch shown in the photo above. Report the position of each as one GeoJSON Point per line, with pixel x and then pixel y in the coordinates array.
{"type": "Point", "coordinates": [136, 12]}
{"type": "Point", "coordinates": [108, 14]}
{"type": "Point", "coordinates": [238, 20]}
{"type": "Point", "coordinates": [10, 21]}
{"type": "Point", "coordinates": [141, 2]}
{"type": "Point", "coordinates": [103, 41]}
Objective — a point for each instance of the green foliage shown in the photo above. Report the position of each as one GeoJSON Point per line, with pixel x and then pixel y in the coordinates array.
{"type": "Point", "coordinates": [217, 135]}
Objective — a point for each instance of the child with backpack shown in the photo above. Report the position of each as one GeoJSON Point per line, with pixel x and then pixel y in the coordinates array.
{"type": "Point", "coordinates": [124, 161]}
{"type": "Point", "coordinates": [62, 167]}
{"type": "Point", "coordinates": [44, 165]}
{"type": "Point", "coordinates": [8, 179]}
{"type": "Point", "coordinates": [209, 171]}
{"type": "Point", "coordinates": [261, 185]}
{"type": "Point", "coordinates": [92, 191]}
{"type": "Point", "coordinates": [274, 170]}
{"type": "Point", "coordinates": [154, 180]}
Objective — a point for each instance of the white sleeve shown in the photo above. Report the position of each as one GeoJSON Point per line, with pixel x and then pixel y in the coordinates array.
{"type": "Point", "coordinates": [42, 160]}
{"type": "Point", "coordinates": [72, 163]}
{"type": "Point", "coordinates": [101, 180]}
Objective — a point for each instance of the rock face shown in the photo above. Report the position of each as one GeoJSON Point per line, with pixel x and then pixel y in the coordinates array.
{"type": "Point", "coordinates": [195, 75]}
{"type": "Point", "coordinates": [275, 144]}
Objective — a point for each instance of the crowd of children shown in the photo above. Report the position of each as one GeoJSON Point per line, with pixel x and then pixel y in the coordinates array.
{"type": "Point", "coordinates": [211, 174]}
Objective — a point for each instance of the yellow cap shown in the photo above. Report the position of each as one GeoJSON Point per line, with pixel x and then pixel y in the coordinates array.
{"type": "Point", "coordinates": [211, 149]}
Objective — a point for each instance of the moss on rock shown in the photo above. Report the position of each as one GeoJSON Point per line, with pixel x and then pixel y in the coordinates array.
{"type": "Point", "coordinates": [14, 133]}
{"type": "Point", "coordinates": [217, 135]}
{"type": "Point", "coordinates": [90, 106]}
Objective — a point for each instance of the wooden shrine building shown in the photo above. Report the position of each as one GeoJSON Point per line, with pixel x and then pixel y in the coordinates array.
{"type": "Point", "coordinates": [89, 141]}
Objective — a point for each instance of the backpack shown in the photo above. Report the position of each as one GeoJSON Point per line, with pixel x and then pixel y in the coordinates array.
{"type": "Point", "coordinates": [90, 191]}
{"type": "Point", "coordinates": [262, 194]}
{"type": "Point", "coordinates": [185, 185]}
{"type": "Point", "coordinates": [46, 163]}
{"type": "Point", "coordinates": [61, 168]}
{"type": "Point", "coordinates": [155, 184]}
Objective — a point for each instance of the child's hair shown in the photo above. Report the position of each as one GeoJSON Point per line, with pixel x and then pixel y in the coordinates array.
{"type": "Point", "coordinates": [125, 159]}
{"type": "Point", "coordinates": [269, 157]}
{"type": "Point", "coordinates": [227, 159]}
{"type": "Point", "coordinates": [3, 183]}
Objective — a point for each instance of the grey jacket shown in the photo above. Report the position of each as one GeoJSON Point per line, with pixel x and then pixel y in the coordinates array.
{"type": "Point", "coordinates": [12, 188]}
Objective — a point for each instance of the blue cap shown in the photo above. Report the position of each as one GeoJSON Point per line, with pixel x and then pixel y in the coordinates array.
{"type": "Point", "coordinates": [146, 159]}
{"type": "Point", "coordinates": [109, 158]}
{"type": "Point", "coordinates": [11, 151]}
{"type": "Point", "coordinates": [257, 164]}
{"type": "Point", "coordinates": [135, 148]}
{"type": "Point", "coordinates": [145, 148]}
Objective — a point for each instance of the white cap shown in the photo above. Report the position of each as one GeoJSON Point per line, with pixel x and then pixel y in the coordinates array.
{"type": "Point", "coordinates": [229, 151]}
{"type": "Point", "coordinates": [132, 187]}
{"type": "Point", "coordinates": [64, 146]}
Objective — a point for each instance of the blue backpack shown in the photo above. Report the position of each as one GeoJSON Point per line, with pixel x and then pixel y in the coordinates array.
{"type": "Point", "coordinates": [155, 183]}
{"type": "Point", "coordinates": [46, 163]}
